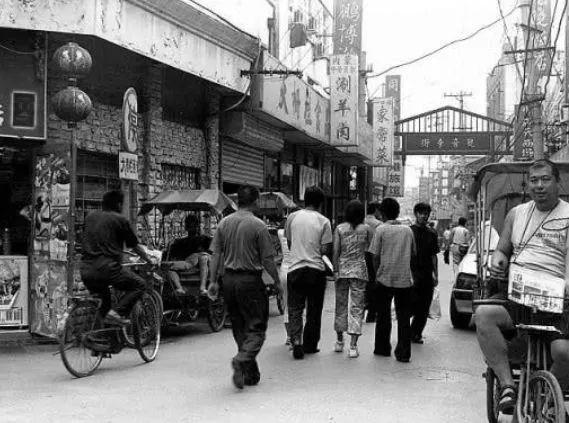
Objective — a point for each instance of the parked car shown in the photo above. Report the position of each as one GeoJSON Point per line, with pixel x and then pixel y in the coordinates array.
{"type": "Point", "coordinates": [460, 307]}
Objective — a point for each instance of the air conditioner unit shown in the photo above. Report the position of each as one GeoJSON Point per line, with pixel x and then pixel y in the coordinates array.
{"type": "Point", "coordinates": [564, 113]}
{"type": "Point", "coordinates": [318, 51]}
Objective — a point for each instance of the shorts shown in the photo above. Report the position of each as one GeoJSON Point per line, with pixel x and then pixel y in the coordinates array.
{"type": "Point", "coordinates": [522, 314]}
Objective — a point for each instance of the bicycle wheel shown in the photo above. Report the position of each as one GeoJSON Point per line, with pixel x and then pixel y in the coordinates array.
{"type": "Point", "coordinates": [158, 302]}
{"type": "Point", "coordinates": [146, 327]}
{"type": "Point", "coordinates": [79, 360]}
{"type": "Point", "coordinates": [216, 313]}
{"type": "Point", "coordinates": [544, 400]}
{"type": "Point", "coordinates": [492, 395]}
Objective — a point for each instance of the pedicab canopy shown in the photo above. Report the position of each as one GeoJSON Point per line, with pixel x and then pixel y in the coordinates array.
{"type": "Point", "coordinates": [272, 200]}
{"type": "Point", "coordinates": [498, 187]}
{"type": "Point", "coordinates": [189, 200]}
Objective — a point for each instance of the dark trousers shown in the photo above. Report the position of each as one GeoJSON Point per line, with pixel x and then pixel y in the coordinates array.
{"type": "Point", "coordinates": [422, 297]}
{"type": "Point", "coordinates": [305, 286]}
{"type": "Point", "coordinates": [99, 274]}
{"type": "Point", "coordinates": [248, 306]}
{"type": "Point", "coordinates": [384, 297]}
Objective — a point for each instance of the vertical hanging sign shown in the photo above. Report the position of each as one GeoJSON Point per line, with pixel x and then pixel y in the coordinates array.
{"type": "Point", "coordinates": [347, 26]}
{"type": "Point", "coordinates": [344, 100]}
{"type": "Point", "coordinates": [128, 159]}
{"type": "Point", "coordinates": [383, 129]}
{"type": "Point", "coordinates": [396, 174]}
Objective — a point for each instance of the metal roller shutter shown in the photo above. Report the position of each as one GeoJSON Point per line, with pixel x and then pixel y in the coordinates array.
{"type": "Point", "coordinates": [241, 164]}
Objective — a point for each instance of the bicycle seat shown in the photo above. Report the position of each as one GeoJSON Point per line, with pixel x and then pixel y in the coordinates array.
{"type": "Point", "coordinates": [490, 301]}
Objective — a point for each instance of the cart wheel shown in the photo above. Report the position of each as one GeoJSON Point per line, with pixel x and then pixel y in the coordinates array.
{"type": "Point", "coordinates": [544, 399]}
{"type": "Point", "coordinates": [216, 313]}
{"type": "Point", "coordinates": [280, 304]}
{"type": "Point", "coordinates": [146, 327]}
{"type": "Point", "coordinates": [492, 395]}
{"type": "Point", "coordinates": [79, 360]}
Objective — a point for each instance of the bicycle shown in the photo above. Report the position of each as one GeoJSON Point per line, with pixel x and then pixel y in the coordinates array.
{"type": "Point", "coordinates": [85, 340]}
{"type": "Point", "coordinates": [540, 397]}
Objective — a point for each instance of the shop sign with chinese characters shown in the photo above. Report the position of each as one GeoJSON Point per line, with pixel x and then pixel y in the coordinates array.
{"type": "Point", "coordinates": [128, 166]}
{"type": "Point", "coordinates": [344, 99]}
{"type": "Point", "coordinates": [383, 132]}
{"type": "Point", "coordinates": [347, 26]}
{"type": "Point", "coordinates": [130, 120]}
{"type": "Point", "coordinates": [395, 178]}
{"type": "Point", "coordinates": [470, 143]}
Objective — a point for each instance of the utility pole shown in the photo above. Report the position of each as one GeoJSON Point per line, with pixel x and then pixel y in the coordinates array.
{"type": "Point", "coordinates": [460, 97]}
{"type": "Point", "coordinates": [565, 79]}
{"type": "Point", "coordinates": [532, 99]}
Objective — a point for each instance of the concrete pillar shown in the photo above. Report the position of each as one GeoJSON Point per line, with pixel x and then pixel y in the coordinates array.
{"type": "Point", "coordinates": [212, 140]}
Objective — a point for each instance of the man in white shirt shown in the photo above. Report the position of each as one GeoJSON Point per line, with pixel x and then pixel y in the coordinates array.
{"type": "Point", "coordinates": [309, 235]}
{"type": "Point", "coordinates": [373, 216]}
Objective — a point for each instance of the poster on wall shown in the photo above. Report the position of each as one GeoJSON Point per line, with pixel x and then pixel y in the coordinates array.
{"type": "Point", "coordinates": [344, 100]}
{"type": "Point", "coordinates": [383, 132]}
{"type": "Point", "coordinates": [49, 266]}
{"type": "Point", "coordinates": [13, 291]}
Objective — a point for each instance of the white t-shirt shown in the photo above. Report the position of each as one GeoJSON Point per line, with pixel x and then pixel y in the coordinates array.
{"type": "Point", "coordinates": [461, 236]}
{"type": "Point", "coordinates": [540, 238]}
{"type": "Point", "coordinates": [307, 230]}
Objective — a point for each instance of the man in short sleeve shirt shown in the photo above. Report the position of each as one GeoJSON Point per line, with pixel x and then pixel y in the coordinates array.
{"type": "Point", "coordinates": [243, 247]}
{"type": "Point", "coordinates": [309, 235]}
{"type": "Point", "coordinates": [106, 233]}
{"type": "Point", "coordinates": [424, 267]}
{"type": "Point", "coordinates": [392, 248]}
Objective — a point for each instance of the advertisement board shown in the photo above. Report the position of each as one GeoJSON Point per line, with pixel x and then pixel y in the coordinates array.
{"type": "Point", "coordinates": [344, 100]}
{"type": "Point", "coordinates": [383, 132]}
{"type": "Point", "coordinates": [347, 27]}
{"type": "Point", "coordinates": [13, 291]}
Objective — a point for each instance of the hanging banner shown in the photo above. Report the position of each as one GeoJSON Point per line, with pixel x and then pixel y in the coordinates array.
{"type": "Point", "coordinates": [307, 177]}
{"type": "Point", "coordinates": [344, 100]}
{"type": "Point", "coordinates": [396, 175]}
{"type": "Point", "coordinates": [348, 27]}
{"type": "Point", "coordinates": [383, 130]}
{"type": "Point", "coordinates": [523, 137]}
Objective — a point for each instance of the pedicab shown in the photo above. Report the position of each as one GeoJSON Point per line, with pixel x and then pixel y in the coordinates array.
{"type": "Point", "coordinates": [168, 211]}
{"type": "Point", "coordinates": [496, 189]}
{"type": "Point", "coordinates": [274, 206]}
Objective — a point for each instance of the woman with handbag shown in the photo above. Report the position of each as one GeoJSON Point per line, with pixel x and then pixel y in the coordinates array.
{"type": "Point", "coordinates": [459, 242]}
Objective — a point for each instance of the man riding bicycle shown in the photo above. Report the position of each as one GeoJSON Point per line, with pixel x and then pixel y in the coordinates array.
{"type": "Point", "coordinates": [105, 235]}
{"type": "Point", "coordinates": [534, 237]}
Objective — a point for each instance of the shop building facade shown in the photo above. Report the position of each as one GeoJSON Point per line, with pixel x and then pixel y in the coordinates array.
{"type": "Point", "coordinates": [181, 81]}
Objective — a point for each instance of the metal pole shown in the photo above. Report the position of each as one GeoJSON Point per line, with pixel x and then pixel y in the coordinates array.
{"type": "Point", "coordinates": [71, 220]}
{"type": "Point", "coordinates": [566, 80]}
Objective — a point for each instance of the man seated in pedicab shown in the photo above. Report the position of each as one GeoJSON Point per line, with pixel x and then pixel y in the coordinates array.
{"type": "Point", "coordinates": [189, 254]}
{"type": "Point", "coordinates": [533, 241]}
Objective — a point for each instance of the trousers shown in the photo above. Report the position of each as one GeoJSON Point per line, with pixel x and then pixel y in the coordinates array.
{"type": "Point", "coordinates": [384, 296]}
{"type": "Point", "coordinates": [350, 302]}
{"type": "Point", "coordinates": [422, 297]}
{"type": "Point", "coordinates": [306, 286]}
{"type": "Point", "coordinates": [248, 306]}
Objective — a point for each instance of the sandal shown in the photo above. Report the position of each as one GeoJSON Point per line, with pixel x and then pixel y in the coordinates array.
{"type": "Point", "coordinates": [507, 401]}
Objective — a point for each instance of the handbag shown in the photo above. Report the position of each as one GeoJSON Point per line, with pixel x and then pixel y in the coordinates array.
{"type": "Point", "coordinates": [435, 308]}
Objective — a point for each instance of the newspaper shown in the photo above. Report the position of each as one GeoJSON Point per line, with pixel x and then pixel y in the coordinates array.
{"type": "Point", "coordinates": [536, 289]}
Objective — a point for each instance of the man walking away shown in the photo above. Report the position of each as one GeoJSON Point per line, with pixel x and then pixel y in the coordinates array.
{"type": "Point", "coordinates": [392, 248]}
{"type": "Point", "coordinates": [309, 235]}
{"type": "Point", "coordinates": [424, 268]}
{"type": "Point", "coordinates": [460, 240]}
{"type": "Point", "coordinates": [244, 243]}
{"type": "Point", "coordinates": [373, 219]}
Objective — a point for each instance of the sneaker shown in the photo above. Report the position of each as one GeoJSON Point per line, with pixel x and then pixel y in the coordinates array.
{"type": "Point", "coordinates": [353, 352]}
{"type": "Point", "coordinates": [298, 352]}
{"type": "Point", "coordinates": [238, 374]}
{"type": "Point", "coordinates": [339, 346]}
{"type": "Point", "coordinates": [113, 318]}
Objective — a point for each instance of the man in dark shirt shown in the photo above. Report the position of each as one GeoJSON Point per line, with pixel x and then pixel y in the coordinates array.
{"type": "Point", "coordinates": [105, 235]}
{"type": "Point", "coordinates": [424, 268]}
{"type": "Point", "coordinates": [243, 242]}
{"type": "Point", "coordinates": [182, 248]}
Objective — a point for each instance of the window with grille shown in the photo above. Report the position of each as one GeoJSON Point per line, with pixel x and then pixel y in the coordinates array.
{"type": "Point", "coordinates": [96, 174]}
{"type": "Point", "coordinates": [180, 177]}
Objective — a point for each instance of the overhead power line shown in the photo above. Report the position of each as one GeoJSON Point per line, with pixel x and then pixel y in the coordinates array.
{"type": "Point", "coordinates": [431, 53]}
{"type": "Point", "coordinates": [507, 33]}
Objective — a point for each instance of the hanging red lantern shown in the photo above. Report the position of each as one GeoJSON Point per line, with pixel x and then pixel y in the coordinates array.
{"type": "Point", "coordinates": [71, 104]}
{"type": "Point", "coordinates": [72, 60]}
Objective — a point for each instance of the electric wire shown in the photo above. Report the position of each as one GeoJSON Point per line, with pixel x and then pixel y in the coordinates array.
{"type": "Point", "coordinates": [18, 52]}
{"type": "Point", "coordinates": [506, 32]}
{"type": "Point", "coordinates": [444, 46]}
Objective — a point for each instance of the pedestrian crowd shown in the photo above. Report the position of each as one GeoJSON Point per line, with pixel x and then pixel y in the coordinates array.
{"type": "Point", "coordinates": [374, 259]}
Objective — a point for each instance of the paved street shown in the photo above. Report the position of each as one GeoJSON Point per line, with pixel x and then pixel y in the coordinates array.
{"type": "Point", "coordinates": [190, 381]}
